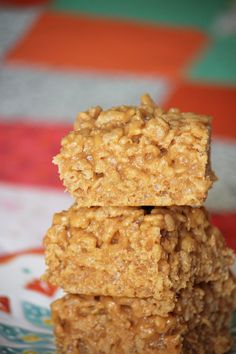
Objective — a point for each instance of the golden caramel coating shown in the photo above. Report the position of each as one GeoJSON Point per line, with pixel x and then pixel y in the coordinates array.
{"type": "Point", "coordinates": [132, 156]}
{"type": "Point", "coordinates": [134, 252]}
{"type": "Point", "coordinates": [198, 324]}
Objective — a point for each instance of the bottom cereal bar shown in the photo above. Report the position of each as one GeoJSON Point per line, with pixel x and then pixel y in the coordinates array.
{"type": "Point", "coordinates": [111, 325]}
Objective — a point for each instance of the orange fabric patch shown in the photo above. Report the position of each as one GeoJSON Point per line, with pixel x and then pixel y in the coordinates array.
{"type": "Point", "coordinates": [83, 42]}
{"type": "Point", "coordinates": [42, 287]}
{"type": "Point", "coordinates": [4, 258]}
{"type": "Point", "coordinates": [217, 101]}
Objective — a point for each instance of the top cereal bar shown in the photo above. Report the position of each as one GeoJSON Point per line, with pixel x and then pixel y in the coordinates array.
{"type": "Point", "coordinates": [132, 156]}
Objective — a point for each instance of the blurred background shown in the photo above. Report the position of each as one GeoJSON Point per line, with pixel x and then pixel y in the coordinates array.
{"type": "Point", "coordinates": [60, 57]}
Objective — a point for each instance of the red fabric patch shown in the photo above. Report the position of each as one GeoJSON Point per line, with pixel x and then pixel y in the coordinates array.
{"type": "Point", "coordinates": [75, 42]}
{"type": "Point", "coordinates": [226, 222]}
{"type": "Point", "coordinates": [42, 287]}
{"type": "Point", "coordinates": [5, 304]}
{"type": "Point", "coordinates": [217, 101]}
{"type": "Point", "coordinates": [26, 152]}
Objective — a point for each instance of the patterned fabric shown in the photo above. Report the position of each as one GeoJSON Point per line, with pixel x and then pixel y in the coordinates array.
{"type": "Point", "coordinates": [61, 56]}
{"type": "Point", "coordinates": [26, 326]}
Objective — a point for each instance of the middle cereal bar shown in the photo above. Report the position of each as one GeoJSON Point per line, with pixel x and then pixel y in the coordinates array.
{"type": "Point", "coordinates": [134, 251]}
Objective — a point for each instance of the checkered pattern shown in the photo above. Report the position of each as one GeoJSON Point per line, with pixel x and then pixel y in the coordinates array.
{"type": "Point", "coordinates": [62, 56]}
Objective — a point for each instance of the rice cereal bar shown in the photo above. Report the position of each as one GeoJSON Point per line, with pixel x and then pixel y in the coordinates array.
{"type": "Point", "coordinates": [134, 251]}
{"type": "Point", "coordinates": [198, 324]}
{"type": "Point", "coordinates": [132, 156]}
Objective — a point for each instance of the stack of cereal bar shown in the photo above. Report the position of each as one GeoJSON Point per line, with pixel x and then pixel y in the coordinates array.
{"type": "Point", "coordinates": [144, 269]}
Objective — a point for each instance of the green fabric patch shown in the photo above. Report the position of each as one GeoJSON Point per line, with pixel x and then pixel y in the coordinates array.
{"type": "Point", "coordinates": [172, 12]}
{"type": "Point", "coordinates": [218, 63]}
